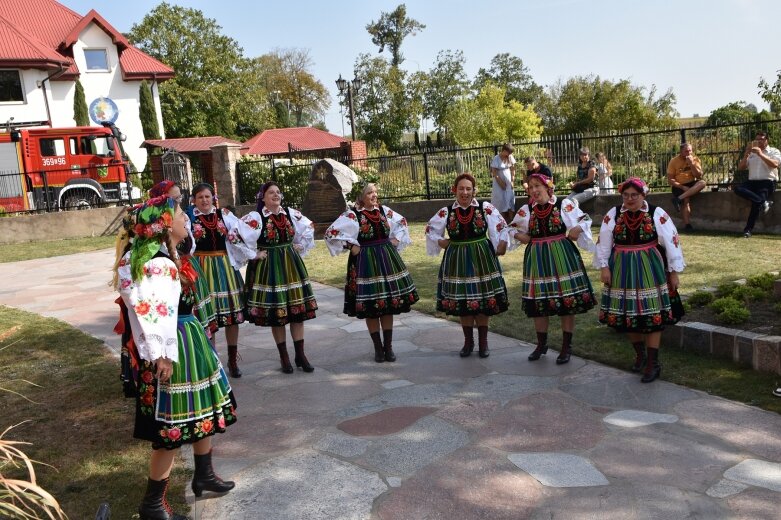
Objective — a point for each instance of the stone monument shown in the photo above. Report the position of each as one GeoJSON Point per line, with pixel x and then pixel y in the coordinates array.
{"type": "Point", "coordinates": [329, 182]}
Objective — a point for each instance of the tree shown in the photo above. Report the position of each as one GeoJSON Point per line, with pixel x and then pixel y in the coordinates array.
{"type": "Point", "coordinates": [147, 113]}
{"type": "Point", "coordinates": [509, 72]}
{"type": "Point", "coordinates": [488, 118]}
{"type": "Point", "coordinates": [446, 83]}
{"type": "Point", "coordinates": [213, 92]}
{"type": "Point", "coordinates": [391, 29]}
{"type": "Point", "coordinates": [590, 104]}
{"type": "Point", "coordinates": [383, 108]}
{"type": "Point", "coordinates": [737, 112]}
{"type": "Point", "coordinates": [771, 93]}
{"type": "Point", "coordinates": [80, 110]}
{"type": "Point", "coordinates": [298, 96]}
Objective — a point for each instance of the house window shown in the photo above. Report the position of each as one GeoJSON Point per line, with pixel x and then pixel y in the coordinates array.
{"type": "Point", "coordinates": [97, 60]}
{"type": "Point", "coordinates": [11, 87]}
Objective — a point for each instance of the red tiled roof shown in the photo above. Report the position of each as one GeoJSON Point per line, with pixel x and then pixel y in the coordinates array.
{"type": "Point", "coordinates": [47, 24]}
{"type": "Point", "coordinates": [188, 144]}
{"type": "Point", "coordinates": [19, 49]}
{"type": "Point", "coordinates": [275, 141]}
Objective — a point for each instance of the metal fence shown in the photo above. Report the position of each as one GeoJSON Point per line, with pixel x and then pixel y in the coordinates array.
{"type": "Point", "coordinates": [45, 191]}
{"type": "Point", "coordinates": [429, 173]}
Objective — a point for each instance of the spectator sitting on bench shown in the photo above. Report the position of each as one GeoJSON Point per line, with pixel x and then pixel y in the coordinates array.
{"type": "Point", "coordinates": [684, 173]}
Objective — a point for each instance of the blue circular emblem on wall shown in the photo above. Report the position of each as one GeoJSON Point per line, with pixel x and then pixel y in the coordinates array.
{"type": "Point", "coordinates": [103, 110]}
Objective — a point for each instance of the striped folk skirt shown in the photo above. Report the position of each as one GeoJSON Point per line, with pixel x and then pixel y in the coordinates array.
{"type": "Point", "coordinates": [470, 280]}
{"type": "Point", "coordinates": [224, 285]}
{"type": "Point", "coordinates": [278, 291]}
{"type": "Point", "coordinates": [555, 282]}
{"type": "Point", "coordinates": [378, 282]}
{"type": "Point", "coordinates": [638, 299]}
{"type": "Point", "coordinates": [195, 403]}
{"type": "Point", "coordinates": [203, 308]}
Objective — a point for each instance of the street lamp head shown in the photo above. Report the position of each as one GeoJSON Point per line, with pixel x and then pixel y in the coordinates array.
{"type": "Point", "coordinates": [341, 84]}
{"type": "Point", "coordinates": [357, 84]}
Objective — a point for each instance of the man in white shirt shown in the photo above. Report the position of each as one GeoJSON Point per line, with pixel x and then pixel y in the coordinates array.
{"type": "Point", "coordinates": [762, 162]}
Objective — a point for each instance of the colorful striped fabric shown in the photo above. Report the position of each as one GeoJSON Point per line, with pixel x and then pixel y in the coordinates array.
{"type": "Point", "coordinates": [224, 285]}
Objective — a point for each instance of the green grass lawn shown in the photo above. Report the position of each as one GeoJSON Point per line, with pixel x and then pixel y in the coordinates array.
{"type": "Point", "coordinates": [711, 259]}
{"type": "Point", "coordinates": [75, 417]}
{"type": "Point", "coordinates": [31, 250]}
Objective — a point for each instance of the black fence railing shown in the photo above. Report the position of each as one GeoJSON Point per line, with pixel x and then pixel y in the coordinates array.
{"type": "Point", "coordinates": [62, 189]}
{"type": "Point", "coordinates": [429, 173]}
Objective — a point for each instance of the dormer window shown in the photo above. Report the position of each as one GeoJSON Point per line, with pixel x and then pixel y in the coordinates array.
{"type": "Point", "coordinates": [11, 87]}
{"type": "Point", "coordinates": [97, 60]}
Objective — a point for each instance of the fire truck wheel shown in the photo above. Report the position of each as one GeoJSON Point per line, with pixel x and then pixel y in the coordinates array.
{"type": "Point", "coordinates": [79, 199]}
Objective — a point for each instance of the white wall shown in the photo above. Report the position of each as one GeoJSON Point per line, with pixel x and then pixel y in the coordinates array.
{"type": "Point", "coordinates": [96, 84]}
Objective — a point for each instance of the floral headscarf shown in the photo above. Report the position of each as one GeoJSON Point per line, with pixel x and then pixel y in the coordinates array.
{"type": "Point", "coordinates": [635, 182]}
{"type": "Point", "coordinates": [545, 181]}
{"type": "Point", "coordinates": [161, 188]}
{"type": "Point", "coordinates": [153, 219]}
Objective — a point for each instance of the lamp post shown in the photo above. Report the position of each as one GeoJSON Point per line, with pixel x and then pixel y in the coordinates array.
{"type": "Point", "coordinates": [350, 87]}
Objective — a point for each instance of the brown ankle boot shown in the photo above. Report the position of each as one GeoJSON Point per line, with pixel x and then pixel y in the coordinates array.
{"type": "Point", "coordinates": [284, 360]}
{"type": "Point", "coordinates": [233, 361]}
{"type": "Point", "coordinates": [301, 360]}
{"type": "Point", "coordinates": [652, 367]}
{"type": "Point", "coordinates": [387, 339]}
{"type": "Point", "coordinates": [482, 341]}
{"type": "Point", "coordinates": [566, 348]}
{"type": "Point", "coordinates": [379, 351]}
{"type": "Point", "coordinates": [542, 346]}
{"type": "Point", "coordinates": [639, 356]}
{"type": "Point", "coordinates": [469, 341]}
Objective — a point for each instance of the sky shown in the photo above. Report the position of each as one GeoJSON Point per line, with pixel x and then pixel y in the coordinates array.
{"type": "Point", "coordinates": [709, 52]}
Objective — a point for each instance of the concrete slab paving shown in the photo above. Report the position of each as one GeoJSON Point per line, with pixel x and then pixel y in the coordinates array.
{"type": "Point", "coordinates": [290, 460]}
{"type": "Point", "coordinates": [559, 469]}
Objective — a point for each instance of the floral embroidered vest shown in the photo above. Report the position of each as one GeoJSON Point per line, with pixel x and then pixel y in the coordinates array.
{"type": "Point", "coordinates": [634, 227]}
{"type": "Point", "coordinates": [209, 232]}
{"type": "Point", "coordinates": [545, 220]}
{"type": "Point", "coordinates": [276, 230]}
{"type": "Point", "coordinates": [373, 225]}
{"type": "Point", "coordinates": [466, 224]}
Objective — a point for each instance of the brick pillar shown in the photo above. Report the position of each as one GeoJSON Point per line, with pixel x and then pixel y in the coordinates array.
{"type": "Point", "coordinates": [224, 159]}
{"type": "Point", "coordinates": [357, 153]}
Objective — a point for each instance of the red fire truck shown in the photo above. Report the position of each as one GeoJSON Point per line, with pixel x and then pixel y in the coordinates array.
{"type": "Point", "coordinates": [62, 168]}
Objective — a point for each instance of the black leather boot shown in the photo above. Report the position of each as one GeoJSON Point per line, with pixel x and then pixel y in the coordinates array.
{"type": "Point", "coordinates": [206, 480]}
{"type": "Point", "coordinates": [154, 506]}
{"type": "Point", "coordinates": [301, 360]}
{"type": "Point", "coordinates": [233, 361]}
{"type": "Point", "coordinates": [652, 367]}
{"type": "Point", "coordinates": [639, 356]}
{"type": "Point", "coordinates": [566, 348]}
{"type": "Point", "coordinates": [542, 346]}
{"type": "Point", "coordinates": [284, 360]}
{"type": "Point", "coordinates": [469, 341]}
{"type": "Point", "coordinates": [379, 352]}
{"type": "Point", "coordinates": [387, 339]}
{"type": "Point", "coordinates": [482, 341]}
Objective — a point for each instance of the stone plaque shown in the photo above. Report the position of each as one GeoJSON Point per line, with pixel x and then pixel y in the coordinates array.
{"type": "Point", "coordinates": [324, 202]}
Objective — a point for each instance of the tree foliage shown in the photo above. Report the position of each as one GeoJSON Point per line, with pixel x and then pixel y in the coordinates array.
{"type": "Point", "coordinates": [737, 112]}
{"type": "Point", "coordinates": [80, 110]}
{"type": "Point", "coordinates": [299, 98]}
{"type": "Point", "coordinates": [445, 83]}
{"type": "Point", "coordinates": [513, 76]}
{"type": "Point", "coordinates": [771, 93]}
{"type": "Point", "coordinates": [213, 92]}
{"type": "Point", "coordinates": [390, 31]}
{"type": "Point", "coordinates": [146, 112]}
{"type": "Point", "coordinates": [383, 110]}
{"type": "Point", "coordinates": [488, 118]}
{"type": "Point", "coordinates": [590, 104]}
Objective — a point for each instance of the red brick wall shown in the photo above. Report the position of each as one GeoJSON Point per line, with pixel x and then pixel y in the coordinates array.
{"type": "Point", "coordinates": [356, 152]}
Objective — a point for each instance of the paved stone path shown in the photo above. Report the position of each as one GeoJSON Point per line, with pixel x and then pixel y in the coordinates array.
{"type": "Point", "coordinates": [436, 436]}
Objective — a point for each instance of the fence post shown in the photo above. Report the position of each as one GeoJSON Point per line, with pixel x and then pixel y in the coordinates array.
{"type": "Point", "coordinates": [425, 171]}
{"type": "Point", "coordinates": [683, 135]}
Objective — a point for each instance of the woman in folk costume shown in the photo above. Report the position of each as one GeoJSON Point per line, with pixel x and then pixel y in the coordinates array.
{"type": "Point", "coordinates": [278, 292]}
{"type": "Point", "coordinates": [639, 257]}
{"type": "Point", "coordinates": [470, 283]}
{"type": "Point", "coordinates": [378, 284]}
{"type": "Point", "coordinates": [203, 307]}
{"type": "Point", "coordinates": [210, 228]}
{"type": "Point", "coordinates": [555, 282]}
{"type": "Point", "coordinates": [182, 393]}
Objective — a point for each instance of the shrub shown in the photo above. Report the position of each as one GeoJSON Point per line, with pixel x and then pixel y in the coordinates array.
{"type": "Point", "coordinates": [730, 311]}
{"type": "Point", "coordinates": [762, 281]}
{"type": "Point", "coordinates": [724, 290]}
{"type": "Point", "coordinates": [700, 298]}
{"type": "Point", "coordinates": [747, 293]}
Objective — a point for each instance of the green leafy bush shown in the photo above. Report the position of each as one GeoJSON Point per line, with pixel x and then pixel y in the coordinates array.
{"type": "Point", "coordinates": [700, 299]}
{"type": "Point", "coordinates": [724, 290]}
{"type": "Point", "coordinates": [762, 281]}
{"type": "Point", "coordinates": [747, 293]}
{"type": "Point", "coordinates": [730, 311]}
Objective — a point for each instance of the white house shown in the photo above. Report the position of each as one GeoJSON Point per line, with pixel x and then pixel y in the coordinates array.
{"type": "Point", "coordinates": [45, 47]}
